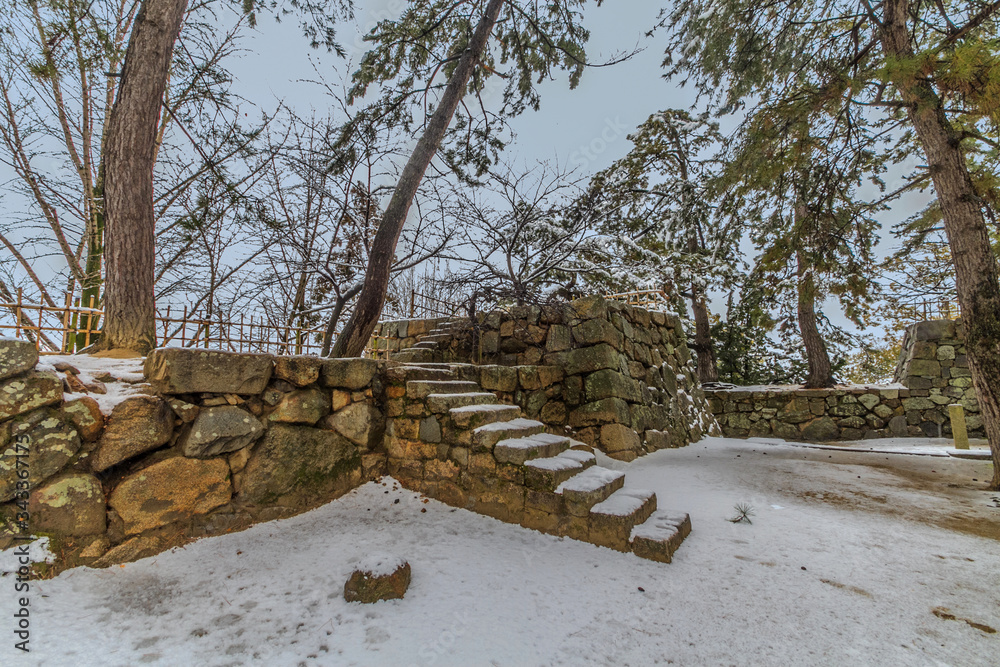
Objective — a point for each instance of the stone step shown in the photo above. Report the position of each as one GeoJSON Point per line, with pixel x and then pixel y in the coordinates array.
{"type": "Point", "coordinates": [472, 416]}
{"type": "Point", "coordinates": [414, 354]}
{"type": "Point", "coordinates": [660, 535]}
{"type": "Point", "coordinates": [435, 338]}
{"type": "Point", "coordinates": [439, 403]}
{"type": "Point", "coordinates": [612, 521]}
{"type": "Point", "coordinates": [520, 450]}
{"type": "Point", "coordinates": [584, 490]}
{"type": "Point", "coordinates": [485, 437]}
{"type": "Point", "coordinates": [421, 389]}
{"type": "Point", "coordinates": [405, 372]}
{"type": "Point", "coordinates": [546, 474]}
{"type": "Point", "coordinates": [424, 345]}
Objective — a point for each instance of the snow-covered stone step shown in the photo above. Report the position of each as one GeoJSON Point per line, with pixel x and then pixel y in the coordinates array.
{"type": "Point", "coordinates": [424, 345]}
{"type": "Point", "coordinates": [488, 435]}
{"type": "Point", "coordinates": [612, 521]}
{"type": "Point", "coordinates": [420, 389]}
{"type": "Point", "coordinates": [471, 416]}
{"type": "Point", "coordinates": [548, 473]}
{"type": "Point", "coordinates": [520, 450]}
{"type": "Point", "coordinates": [584, 490]}
{"type": "Point", "coordinates": [439, 403]}
{"type": "Point", "coordinates": [660, 535]}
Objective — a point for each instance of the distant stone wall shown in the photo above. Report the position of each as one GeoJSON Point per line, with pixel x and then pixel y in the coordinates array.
{"type": "Point", "coordinates": [620, 377]}
{"type": "Point", "coordinates": [226, 441]}
{"type": "Point", "coordinates": [933, 373]}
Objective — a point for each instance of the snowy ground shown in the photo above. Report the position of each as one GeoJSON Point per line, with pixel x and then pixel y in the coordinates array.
{"type": "Point", "coordinates": [847, 559]}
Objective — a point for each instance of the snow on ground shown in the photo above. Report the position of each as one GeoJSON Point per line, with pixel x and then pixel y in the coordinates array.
{"type": "Point", "coordinates": [847, 559]}
{"type": "Point", "coordinates": [128, 374]}
{"type": "Point", "coordinates": [978, 448]}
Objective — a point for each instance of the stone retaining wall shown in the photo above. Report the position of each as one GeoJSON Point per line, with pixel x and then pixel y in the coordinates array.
{"type": "Point", "coordinates": [226, 441]}
{"type": "Point", "coordinates": [620, 377]}
{"type": "Point", "coordinates": [933, 373]}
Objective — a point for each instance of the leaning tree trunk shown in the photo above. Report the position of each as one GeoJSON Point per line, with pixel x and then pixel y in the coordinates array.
{"type": "Point", "coordinates": [358, 330]}
{"type": "Point", "coordinates": [130, 308]}
{"type": "Point", "coordinates": [816, 354]}
{"type": "Point", "coordinates": [976, 276]}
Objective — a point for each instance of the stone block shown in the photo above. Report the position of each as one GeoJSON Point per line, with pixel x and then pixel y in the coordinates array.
{"type": "Point", "coordinates": [595, 331]}
{"type": "Point", "coordinates": [821, 429]}
{"type": "Point", "coordinates": [296, 461]}
{"type": "Point", "coordinates": [136, 425]}
{"type": "Point", "coordinates": [925, 367]}
{"type": "Point", "coordinates": [585, 360]}
{"type": "Point", "coordinates": [300, 370]}
{"type": "Point", "coordinates": [538, 377]}
{"type": "Point", "coordinates": [172, 490]}
{"type": "Point", "coordinates": [16, 357]}
{"type": "Point", "coordinates": [559, 338]}
{"type": "Point", "coordinates": [934, 330]}
{"type": "Point", "coordinates": [220, 430]}
{"type": "Point", "coordinates": [350, 374]}
{"type": "Point", "coordinates": [609, 383]}
{"type": "Point", "coordinates": [70, 504]}
{"type": "Point", "coordinates": [605, 411]}
{"type": "Point", "coordinates": [618, 438]}
{"type": "Point", "coordinates": [22, 394]}
{"type": "Point", "coordinates": [379, 578]}
{"type": "Point", "coordinates": [178, 370]}
{"type": "Point", "coordinates": [85, 414]}
{"type": "Point", "coordinates": [590, 307]}
{"type": "Point", "coordinates": [303, 406]}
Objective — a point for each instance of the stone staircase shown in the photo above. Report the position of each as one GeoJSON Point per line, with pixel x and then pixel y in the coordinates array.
{"type": "Point", "coordinates": [432, 346]}
{"type": "Point", "coordinates": [451, 440]}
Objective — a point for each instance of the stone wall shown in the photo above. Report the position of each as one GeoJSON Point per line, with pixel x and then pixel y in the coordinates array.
{"type": "Point", "coordinates": [621, 378]}
{"type": "Point", "coordinates": [226, 441]}
{"type": "Point", "coordinates": [933, 373]}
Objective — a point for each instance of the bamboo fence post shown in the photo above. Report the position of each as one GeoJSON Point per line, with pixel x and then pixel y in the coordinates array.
{"type": "Point", "coordinates": [17, 315]}
{"type": "Point", "coordinates": [65, 335]}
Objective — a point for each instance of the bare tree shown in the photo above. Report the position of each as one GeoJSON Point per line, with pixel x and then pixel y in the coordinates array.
{"type": "Point", "coordinates": [530, 234]}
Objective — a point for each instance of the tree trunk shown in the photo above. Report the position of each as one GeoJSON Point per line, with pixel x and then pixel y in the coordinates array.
{"type": "Point", "coordinates": [816, 354]}
{"type": "Point", "coordinates": [130, 308]}
{"type": "Point", "coordinates": [976, 276]}
{"type": "Point", "coordinates": [708, 370]}
{"type": "Point", "coordinates": [357, 332]}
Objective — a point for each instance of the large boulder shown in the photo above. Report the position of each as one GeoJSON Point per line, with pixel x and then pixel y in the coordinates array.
{"type": "Point", "coordinates": [348, 373]}
{"type": "Point", "coordinates": [16, 357]}
{"type": "Point", "coordinates": [43, 441]}
{"type": "Point", "coordinates": [220, 430]}
{"type": "Point", "coordinates": [191, 371]}
{"type": "Point", "coordinates": [29, 392]}
{"type": "Point", "coordinates": [69, 504]}
{"type": "Point", "coordinates": [305, 406]}
{"type": "Point", "coordinates": [295, 459]}
{"type": "Point", "coordinates": [136, 425]}
{"type": "Point", "coordinates": [172, 490]}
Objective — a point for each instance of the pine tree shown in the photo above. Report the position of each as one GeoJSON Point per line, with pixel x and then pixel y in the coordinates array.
{"type": "Point", "coordinates": [932, 67]}
{"type": "Point", "coordinates": [468, 44]}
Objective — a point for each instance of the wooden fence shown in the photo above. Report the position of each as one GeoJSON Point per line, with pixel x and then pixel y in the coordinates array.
{"type": "Point", "coordinates": [650, 299]}
{"type": "Point", "coordinates": [74, 326]}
